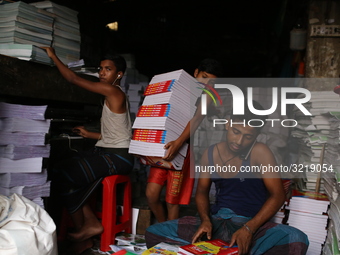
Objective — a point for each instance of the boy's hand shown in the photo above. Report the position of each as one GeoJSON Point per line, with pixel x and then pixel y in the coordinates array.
{"type": "Point", "coordinates": [242, 238]}
{"type": "Point", "coordinates": [49, 50]}
{"type": "Point", "coordinates": [172, 149]}
{"type": "Point", "coordinates": [204, 229]}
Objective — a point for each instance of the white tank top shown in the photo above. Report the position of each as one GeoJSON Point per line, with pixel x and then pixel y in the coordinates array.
{"type": "Point", "coordinates": [115, 128]}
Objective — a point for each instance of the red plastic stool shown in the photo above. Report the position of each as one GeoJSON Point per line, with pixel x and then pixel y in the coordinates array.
{"type": "Point", "coordinates": [111, 221]}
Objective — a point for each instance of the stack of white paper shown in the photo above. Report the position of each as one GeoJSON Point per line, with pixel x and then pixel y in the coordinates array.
{"type": "Point", "coordinates": [22, 151]}
{"type": "Point", "coordinates": [308, 213]}
{"type": "Point", "coordinates": [22, 23]}
{"type": "Point", "coordinates": [168, 106]}
{"type": "Point", "coordinates": [314, 132]}
{"type": "Point", "coordinates": [66, 34]}
{"type": "Point", "coordinates": [332, 183]}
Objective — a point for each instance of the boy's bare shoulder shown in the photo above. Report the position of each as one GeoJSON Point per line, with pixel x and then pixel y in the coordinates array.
{"type": "Point", "coordinates": [260, 149]}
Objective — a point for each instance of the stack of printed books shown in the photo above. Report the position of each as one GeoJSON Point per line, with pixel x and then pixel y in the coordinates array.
{"type": "Point", "coordinates": [168, 106]}
{"type": "Point", "coordinates": [66, 34]}
{"type": "Point", "coordinates": [23, 151]}
{"type": "Point", "coordinates": [308, 212]}
{"type": "Point", "coordinates": [23, 29]}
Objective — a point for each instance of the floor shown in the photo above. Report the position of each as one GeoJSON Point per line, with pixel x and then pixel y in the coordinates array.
{"type": "Point", "coordinates": [137, 202]}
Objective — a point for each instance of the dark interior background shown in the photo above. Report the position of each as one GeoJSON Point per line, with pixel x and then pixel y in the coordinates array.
{"type": "Point", "coordinates": [250, 38]}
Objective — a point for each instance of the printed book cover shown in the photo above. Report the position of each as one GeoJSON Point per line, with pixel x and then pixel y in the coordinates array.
{"type": "Point", "coordinates": [215, 246]}
{"type": "Point", "coordinates": [162, 248]}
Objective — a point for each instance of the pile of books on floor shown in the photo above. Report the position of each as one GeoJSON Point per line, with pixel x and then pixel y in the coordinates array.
{"type": "Point", "coordinates": [133, 244]}
{"type": "Point", "coordinates": [308, 212]}
{"type": "Point", "coordinates": [312, 134]}
{"type": "Point", "coordinates": [23, 29]}
{"type": "Point", "coordinates": [23, 151]}
{"type": "Point", "coordinates": [215, 246]}
{"type": "Point", "coordinates": [66, 34]}
{"type": "Point", "coordinates": [332, 184]}
{"type": "Point", "coordinates": [168, 106]}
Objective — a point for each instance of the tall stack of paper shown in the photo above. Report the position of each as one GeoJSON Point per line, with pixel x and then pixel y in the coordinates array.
{"type": "Point", "coordinates": [135, 92]}
{"type": "Point", "coordinates": [22, 151]}
{"type": "Point", "coordinates": [26, 52]}
{"type": "Point", "coordinates": [332, 184]}
{"type": "Point", "coordinates": [66, 34]}
{"type": "Point", "coordinates": [312, 133]}
{"type": "Point", "coordinates": [25, 24]}
{"type": "Point", "coordinates": [168, 106]}
{"type": "Point", "coordinates": [307, 212]}
{"type": "Point", "coordinates": [23, 29]}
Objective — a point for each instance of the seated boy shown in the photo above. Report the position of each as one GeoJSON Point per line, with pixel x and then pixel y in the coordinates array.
{"type": "Point", "coordinates": [245, 202]}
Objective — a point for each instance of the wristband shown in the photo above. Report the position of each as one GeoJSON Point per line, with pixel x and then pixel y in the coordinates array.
{"type": "Point", "coordinates": [248, 228]}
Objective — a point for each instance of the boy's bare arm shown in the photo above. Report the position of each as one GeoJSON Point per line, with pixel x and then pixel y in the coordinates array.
{"type": "Point", "coordinates": [261, 154]}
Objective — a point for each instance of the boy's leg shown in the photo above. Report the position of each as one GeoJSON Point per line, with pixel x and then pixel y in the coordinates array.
{"type": "Point", "coordinates": [179, 231]}
{"type": "Point", "coordinates": [153, 193]}
{"type": "Point", "coordinates": [90, 227]}
{"type": "Point", "coordinates": [279, 239]}
{"type": "Point", "coordinates": [173, 211]}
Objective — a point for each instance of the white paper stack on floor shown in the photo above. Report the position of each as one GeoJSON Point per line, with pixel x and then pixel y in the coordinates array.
{"type": "Point", "coordinates": [66, 34]}
{"type": "Point", "coordinates": [168, 106]}
{"type": "Point", "coordinates": [332, 184]}
{"type": "Point", "coordinates": [22, 151]}
{"type": "Point", "coordinates": [307, 212]}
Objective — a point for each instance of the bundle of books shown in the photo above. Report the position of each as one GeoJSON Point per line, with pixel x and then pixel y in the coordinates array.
{"type": "Point", "coordinates": [24, 28]}
{"type": "Point", "coordinates": [308, 212]}
{"type": "Point", "coordinates": [332, 184]}
{"type": "Point", "coordinates": [135, 94]}
{"type": "Point", "coordinates": [168, 106]}
{"type": "Point", "coordinates": [23, 151]}
{"type": "Point", "coordinates": [313, 133]}
{"type": "Point", "coordinates": [66, 34]}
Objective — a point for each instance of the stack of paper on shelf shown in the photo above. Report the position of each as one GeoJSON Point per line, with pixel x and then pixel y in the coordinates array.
{"type": "Point", "coordinates": [314, 132]}
{"type": "Point", "coordinates": [23, 29]}
{"type": "Point", "coordinates": [26, 52]}
{"type": "Point", "coordinates": [23, 151]}
{"type": "Point", "coordinates": [37, 31]}
{"type": "Point", "coordinates": [168, 106]}
{"type": "Point", "coordinates": [66, 34]}
{"type": "Point", "coordinates": [308, 212]}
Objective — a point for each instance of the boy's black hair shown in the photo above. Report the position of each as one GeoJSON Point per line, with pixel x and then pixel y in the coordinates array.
{"type": "Point", "coordinates": [118, 60]}
{"type": "Point", "coordinates": [211, 66]}
{"type": "Point", "coordinates": [248, 115]}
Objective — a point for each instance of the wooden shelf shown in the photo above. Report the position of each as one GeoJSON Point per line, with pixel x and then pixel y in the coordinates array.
{"type": "Point", "coordinates": [24, 79]}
